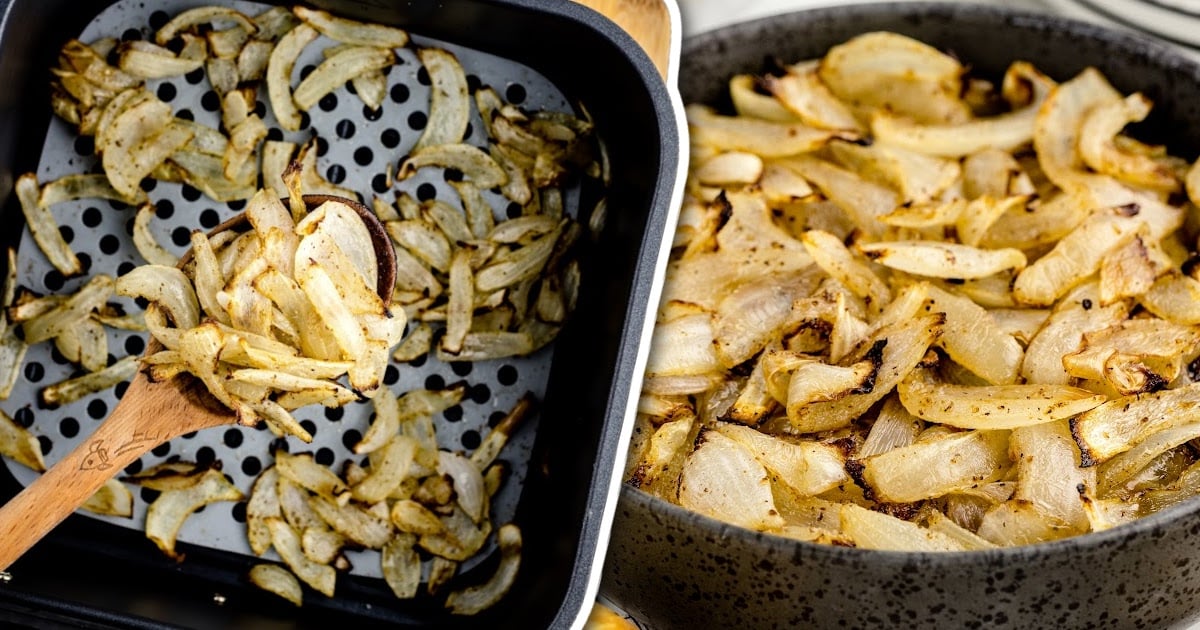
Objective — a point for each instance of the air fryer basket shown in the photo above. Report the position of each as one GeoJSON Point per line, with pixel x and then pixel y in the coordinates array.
{"type": "Point", "coordinates": [563, 458]}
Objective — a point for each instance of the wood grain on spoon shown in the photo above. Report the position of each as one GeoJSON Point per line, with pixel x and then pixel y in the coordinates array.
{"type": "Point", "coordinates": [149, 414]}
{"type": "Point", "coordinates": [647, 21]}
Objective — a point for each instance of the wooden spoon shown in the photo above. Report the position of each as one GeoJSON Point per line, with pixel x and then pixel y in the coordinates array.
{"type": "Point", "coordinates": [647, 21]}
{"type": "Point", "coordinates": [148, 414]}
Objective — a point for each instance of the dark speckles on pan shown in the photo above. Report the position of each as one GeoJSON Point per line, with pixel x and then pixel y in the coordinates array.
{"type": "Point", "coordinates": [673, 569]}
{"type": "Point", "coordinates": [1112, 579]}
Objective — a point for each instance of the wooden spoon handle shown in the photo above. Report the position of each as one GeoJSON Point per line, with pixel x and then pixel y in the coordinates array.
{"type": "Point", "coordinates": [157, 413]}
{"type": "Point", "coordinates": [647, 21]}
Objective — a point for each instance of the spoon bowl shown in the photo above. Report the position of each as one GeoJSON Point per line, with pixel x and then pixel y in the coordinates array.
{"type": "Point", "coordinates": [149, 414]}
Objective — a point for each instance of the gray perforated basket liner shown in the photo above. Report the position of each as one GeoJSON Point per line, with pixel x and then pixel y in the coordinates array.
{"type": "Point", "coordinates": [358, 147]}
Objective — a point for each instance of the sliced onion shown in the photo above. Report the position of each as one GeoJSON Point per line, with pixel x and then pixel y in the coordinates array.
{"type": "Point", "coordinates": [722, 479]}
{"type": "Point", "coordinates": [808, 467]}
{"type": "Point", "coordinates": [875, 530]}
{"type": "Point", "coordinates": [1048, 474]}
{"type": "Point", "coordinates": [933, 468]}
{"type": "Point", "coordinates": [468, 482]}
{"type": "Point", "coordinates": [684, 347]}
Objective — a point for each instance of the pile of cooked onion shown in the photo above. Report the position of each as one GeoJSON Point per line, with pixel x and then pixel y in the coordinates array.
{"type": "Point", "coordinates": [914, 309]}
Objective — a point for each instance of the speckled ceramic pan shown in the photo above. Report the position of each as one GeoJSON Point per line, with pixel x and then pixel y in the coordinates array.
{"type": "Point", "coordinates": [670, 568]}
{"type": "Point", "coordinates": [564, 462]}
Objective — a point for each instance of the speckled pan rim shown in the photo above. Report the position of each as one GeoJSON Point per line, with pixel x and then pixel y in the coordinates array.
{"type": "Point", "coordinates": [1129, 43]}
{"type": "Point", "coordinates": [1147, 526]}
{"type": "Point", "coordinates": [1157, 53]}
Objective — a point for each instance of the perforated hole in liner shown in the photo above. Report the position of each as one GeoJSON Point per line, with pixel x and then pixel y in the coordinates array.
{"type": "Point", "coordinates": [355, 149]}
